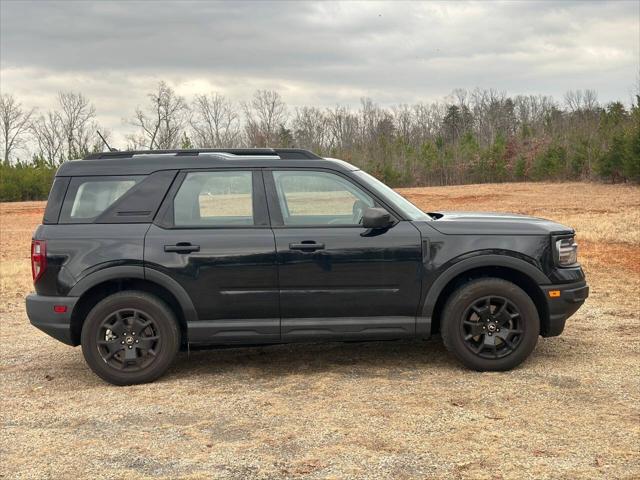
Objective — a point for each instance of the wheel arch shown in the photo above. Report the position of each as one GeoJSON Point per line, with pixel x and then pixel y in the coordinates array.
{"type": "Point", "coordinates": [512, 269]}
{"type": "Point", "coordinates": [100, 285]}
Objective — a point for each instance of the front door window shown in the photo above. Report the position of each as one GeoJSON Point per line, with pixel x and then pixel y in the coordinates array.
{"type": "Point", "coordinates": [309, 198]}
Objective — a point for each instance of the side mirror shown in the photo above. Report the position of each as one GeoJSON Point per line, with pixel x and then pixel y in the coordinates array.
{"type": "Point", "coordinates": [376, 218]}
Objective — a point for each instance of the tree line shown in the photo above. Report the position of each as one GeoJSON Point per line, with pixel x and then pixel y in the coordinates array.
{"type": "Point", "coordinates": [471, 136]}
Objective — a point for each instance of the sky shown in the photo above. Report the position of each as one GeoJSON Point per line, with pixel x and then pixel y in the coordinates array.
{"type": "Point", "coordinates": [314, 53]}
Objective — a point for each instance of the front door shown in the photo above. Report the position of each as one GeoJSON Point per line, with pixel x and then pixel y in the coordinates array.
{"type": "Point", "coordinates": [214, 239]}
{"type": "Point", "coordinates": [338, 280]}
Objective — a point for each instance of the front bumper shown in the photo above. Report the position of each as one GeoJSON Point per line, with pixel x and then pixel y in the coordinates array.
{"type": "Point", "coordinates": [571, 298]}
{"type": "Point", "coordinates": [43, 316]}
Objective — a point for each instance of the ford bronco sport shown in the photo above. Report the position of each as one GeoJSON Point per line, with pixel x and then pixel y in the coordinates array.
{"type": "Point", "coordinates": [141, 254]}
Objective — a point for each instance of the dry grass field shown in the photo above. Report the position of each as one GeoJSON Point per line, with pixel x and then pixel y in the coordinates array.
{"type": "Point", "coordinates": [376, 410]}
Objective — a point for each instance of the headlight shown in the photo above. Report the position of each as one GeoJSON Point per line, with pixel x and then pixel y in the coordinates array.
{"type": "Point", "coordinates": [566, 251]}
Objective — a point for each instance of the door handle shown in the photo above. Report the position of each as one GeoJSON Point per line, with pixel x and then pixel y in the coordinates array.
{"type": "Point", "coordinates": [182, 247]}
{"type": "Point", "coordinates": [306, 246]}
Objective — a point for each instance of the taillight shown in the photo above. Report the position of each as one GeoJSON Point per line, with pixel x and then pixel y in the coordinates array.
{"type": "Point", "coordinates": [38, 258]}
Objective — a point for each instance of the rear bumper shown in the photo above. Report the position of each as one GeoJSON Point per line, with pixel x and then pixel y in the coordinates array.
{"type": "Point", "coordinates": [572, 296]}
{"type": "Point", "coordinates": [42, 315]}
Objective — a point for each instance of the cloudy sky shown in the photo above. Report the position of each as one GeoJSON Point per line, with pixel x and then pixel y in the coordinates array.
{"type": "Point", "coordinates": [314, 53]}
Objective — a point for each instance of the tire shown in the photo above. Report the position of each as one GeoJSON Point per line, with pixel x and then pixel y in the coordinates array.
{"type": "Point", "coordinates": [130, 337]}
{"type": "Point", "coordinates": [490, 324]}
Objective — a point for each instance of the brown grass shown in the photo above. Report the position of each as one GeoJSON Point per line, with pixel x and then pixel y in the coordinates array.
{"type": "Point", "coordinates": [376, 410]}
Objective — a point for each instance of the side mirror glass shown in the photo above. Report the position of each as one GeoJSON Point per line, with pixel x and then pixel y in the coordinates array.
{"type": "Point", "coordinates": [375, 218]}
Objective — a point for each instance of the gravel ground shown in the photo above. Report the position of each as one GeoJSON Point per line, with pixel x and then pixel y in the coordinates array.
{"type": "Point", "coordinates": [372, 410]}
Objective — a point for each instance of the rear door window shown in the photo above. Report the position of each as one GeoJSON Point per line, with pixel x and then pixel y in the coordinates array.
{"type": "Point", "coordinates": [88, 197]}
{"type": "Point", "coordinates": [214, 199]}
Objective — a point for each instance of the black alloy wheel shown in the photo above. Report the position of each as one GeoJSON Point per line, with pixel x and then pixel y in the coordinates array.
{"type": "Point", "coordinates": [492, 327]}
{"type": "Point", "coordinates": [490, 324]}
{"type": "Point", "coordinates": [128, 340]}
{"type": "Point", "coordinates": [130, 337]}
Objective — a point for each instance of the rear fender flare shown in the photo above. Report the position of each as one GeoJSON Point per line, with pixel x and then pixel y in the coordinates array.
{"type": "Point", "coordinates": [142, 273]}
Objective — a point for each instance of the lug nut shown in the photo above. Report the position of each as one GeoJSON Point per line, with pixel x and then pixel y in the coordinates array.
{"type": "Point", "coordinates": [130, 346]}
{"type": "Point", "coordinates": [122, 342]}
{"type": "Point", "coordinates": [137, 341]}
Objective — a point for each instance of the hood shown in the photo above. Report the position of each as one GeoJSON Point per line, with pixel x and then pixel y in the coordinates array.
{"type": "Point", "coordinates": [487, 223]}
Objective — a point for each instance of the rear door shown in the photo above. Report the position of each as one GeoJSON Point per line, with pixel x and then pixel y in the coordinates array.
{"type": "Point", "coordinates": [337, 279]}
{"type": "Point", "coordinates": [213, 237]}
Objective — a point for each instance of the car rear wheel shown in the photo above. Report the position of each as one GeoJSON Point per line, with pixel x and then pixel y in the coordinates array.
{"type": "Point", "coordinates": [490, 324]}
{"type": "Point", "coordinates": [130, 337]}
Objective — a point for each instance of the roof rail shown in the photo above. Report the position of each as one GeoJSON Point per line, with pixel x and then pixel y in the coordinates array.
{"type": "Point", "coordinates": [286, 153]}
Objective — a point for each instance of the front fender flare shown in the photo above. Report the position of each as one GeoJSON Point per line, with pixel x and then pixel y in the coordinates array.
{"type": "Point", "coordinates": [481, 260]}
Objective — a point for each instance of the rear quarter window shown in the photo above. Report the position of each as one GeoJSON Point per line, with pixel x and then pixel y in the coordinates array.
{"type": "Point", "coordinates": [54, 202]}
{"type": "Point", "coordinates": [88, 197]}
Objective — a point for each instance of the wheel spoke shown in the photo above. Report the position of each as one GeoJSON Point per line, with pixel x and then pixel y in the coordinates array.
{"type": "Point", "coordinates": [141, 326]}
{"type": "Point", "coordinates": [483, 312]}
{"type": "Point", "coordinates": [474, 328]}
{"type": "Point", "coordinates": [510, 345]}
{"type": "Point", "coordinates": [145, 343]}
{"type": "Point", "coordinates": [113, 349]}
{"type": "Point", "coordinates": [489, 340]}
{"type": "Point", "coordinates": [111, 345]}
{"type": "Point", "coordinates": [139, 323]}
{"type": "Point", "coordinates": [130, 354]}
{"type": "Point", "coordinates": [504, 333]}
{"type": "Point", "coordinates": [119, 326]}
{"type": "Point", "coordinates": [503, 317]}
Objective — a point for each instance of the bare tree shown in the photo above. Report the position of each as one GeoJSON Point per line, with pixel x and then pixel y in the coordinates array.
{"type": "Point", "coordinates": [162, 125]}
{"type": "Point", "coordinates": [404, 121]}
{"type": "Point", "coordinates": [428, 119]}
{"type": "Point", "coordinates": [369, 117]}
{"type": "Point", "coordinates": [310, 128]}
{"type": "Point", "coordinates": [581, 100]}
{"type": "Point", "coordinates": [264, 115]}
{"type": "Point", "coordinates": [15, 125]}
{"type": "Point", "coordinates": [48, 132]}
{"type": "Point", "coordinates": [77, 118]}
{"type": "Point", "coordinates": [214, 122]}
{"type": "Point", "coordinates": [343, 128]}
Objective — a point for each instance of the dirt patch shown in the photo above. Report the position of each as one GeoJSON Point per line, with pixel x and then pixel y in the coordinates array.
{"type": "Point", "coordinates": [371, 410]}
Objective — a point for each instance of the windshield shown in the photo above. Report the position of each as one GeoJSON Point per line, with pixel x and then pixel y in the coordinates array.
{"type": "Point", "coordinates": [408, 209]}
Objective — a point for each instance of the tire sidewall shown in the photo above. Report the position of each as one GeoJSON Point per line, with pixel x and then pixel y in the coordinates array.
{"type": "Point", "coordinates": [164, 320]}
{"type": "Point", "coordinates": [464, 298]}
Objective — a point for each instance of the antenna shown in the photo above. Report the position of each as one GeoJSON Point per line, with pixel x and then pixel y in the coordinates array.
{"type": "Point", "coordinates": [105, 142]}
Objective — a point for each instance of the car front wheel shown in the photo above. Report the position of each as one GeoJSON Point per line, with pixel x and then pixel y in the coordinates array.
{"type": "Point", "coordinates": [490, 324]}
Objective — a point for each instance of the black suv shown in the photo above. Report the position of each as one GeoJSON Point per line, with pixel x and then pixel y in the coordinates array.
{"type": "Point", "coordinates": [141, 254]}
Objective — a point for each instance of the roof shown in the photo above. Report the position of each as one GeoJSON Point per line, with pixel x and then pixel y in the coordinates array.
{"type": "Point", "coordinates": [148, 161]}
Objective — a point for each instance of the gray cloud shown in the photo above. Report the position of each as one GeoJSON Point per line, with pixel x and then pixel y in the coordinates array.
{"type": "Point", "coordinates": [315, 53]}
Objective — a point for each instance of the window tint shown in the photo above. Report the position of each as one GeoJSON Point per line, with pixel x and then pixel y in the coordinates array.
{"type": "Point", "coordinates": [319, 198]}
{"type": "Point", "coordinates": [214, 199]}
{"type": "Point", "coordinates": [88, 197]}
